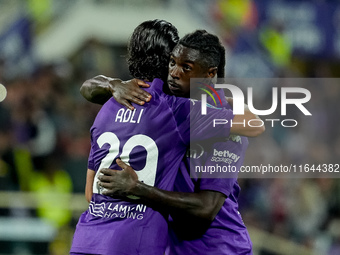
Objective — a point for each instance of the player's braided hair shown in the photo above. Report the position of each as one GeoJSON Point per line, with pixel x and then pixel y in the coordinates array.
{"type": "Point", "coordinates": [211, 50]}
{"type": "Point", "coordinates": [149, 49]}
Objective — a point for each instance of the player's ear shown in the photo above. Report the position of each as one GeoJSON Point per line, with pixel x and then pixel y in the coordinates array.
{"type": "Point", "coordinates": [212, 72]}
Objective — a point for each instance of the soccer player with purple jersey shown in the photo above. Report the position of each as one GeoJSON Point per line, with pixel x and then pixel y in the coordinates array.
{"type": "Point", "coordinates": [204, 211]}
{"type": "Point", "coordinates": [226, 233]}
{"type": "Point", "coordinates": [115, 226]}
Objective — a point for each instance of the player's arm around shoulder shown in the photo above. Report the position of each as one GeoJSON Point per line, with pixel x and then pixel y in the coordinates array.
{"type": "Point", "coordinates": [97, 89]}
{"type": "Point", "coordinates": [101, 88]}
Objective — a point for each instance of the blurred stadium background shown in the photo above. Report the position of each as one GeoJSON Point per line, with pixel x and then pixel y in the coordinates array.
{"type": "Point", "coordinates": [49, 47]}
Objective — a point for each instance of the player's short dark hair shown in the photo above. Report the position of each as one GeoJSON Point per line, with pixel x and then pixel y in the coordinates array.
{"type": "Point", "coordinates": [212, 52]}
{"type": "Point", "coordinates": [149, 49]}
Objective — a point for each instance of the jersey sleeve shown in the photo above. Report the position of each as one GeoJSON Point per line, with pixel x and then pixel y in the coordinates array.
{"type": "Point", "coordinates": [223, 185]}
{"type": "Point", "coordinates": [230, 155]}
{"type": "Point", "coordinates": [223, 182]}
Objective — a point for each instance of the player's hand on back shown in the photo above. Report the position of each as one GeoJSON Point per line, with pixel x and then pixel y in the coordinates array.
{"type": "Point", "coordinates": [127, 92]}
{"type": "Point", "coordinates": [118, 182]}
{"type": "Point", "coordinates": [100, 88]}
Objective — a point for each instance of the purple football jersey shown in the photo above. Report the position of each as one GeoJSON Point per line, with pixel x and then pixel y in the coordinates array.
{"type": "Point", "coordinates": [153, 140]}
{"type": "Point", "coordinates": [227, 233]}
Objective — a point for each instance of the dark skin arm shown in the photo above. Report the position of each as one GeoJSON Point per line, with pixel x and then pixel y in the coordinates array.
{"type": "Point", "coordinates": [192, 212]}
{"type": "Point", "coordinates": [101, 88]}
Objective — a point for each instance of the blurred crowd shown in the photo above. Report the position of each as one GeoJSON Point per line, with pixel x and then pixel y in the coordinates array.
{"type": "Point", "coordinates": [45, 122]}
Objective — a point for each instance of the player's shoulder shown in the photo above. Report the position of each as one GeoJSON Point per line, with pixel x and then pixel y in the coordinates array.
{"type": "Point", "coordinates": [156, 86]}
{"type": "Point", "coordinates": [177, 102]}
